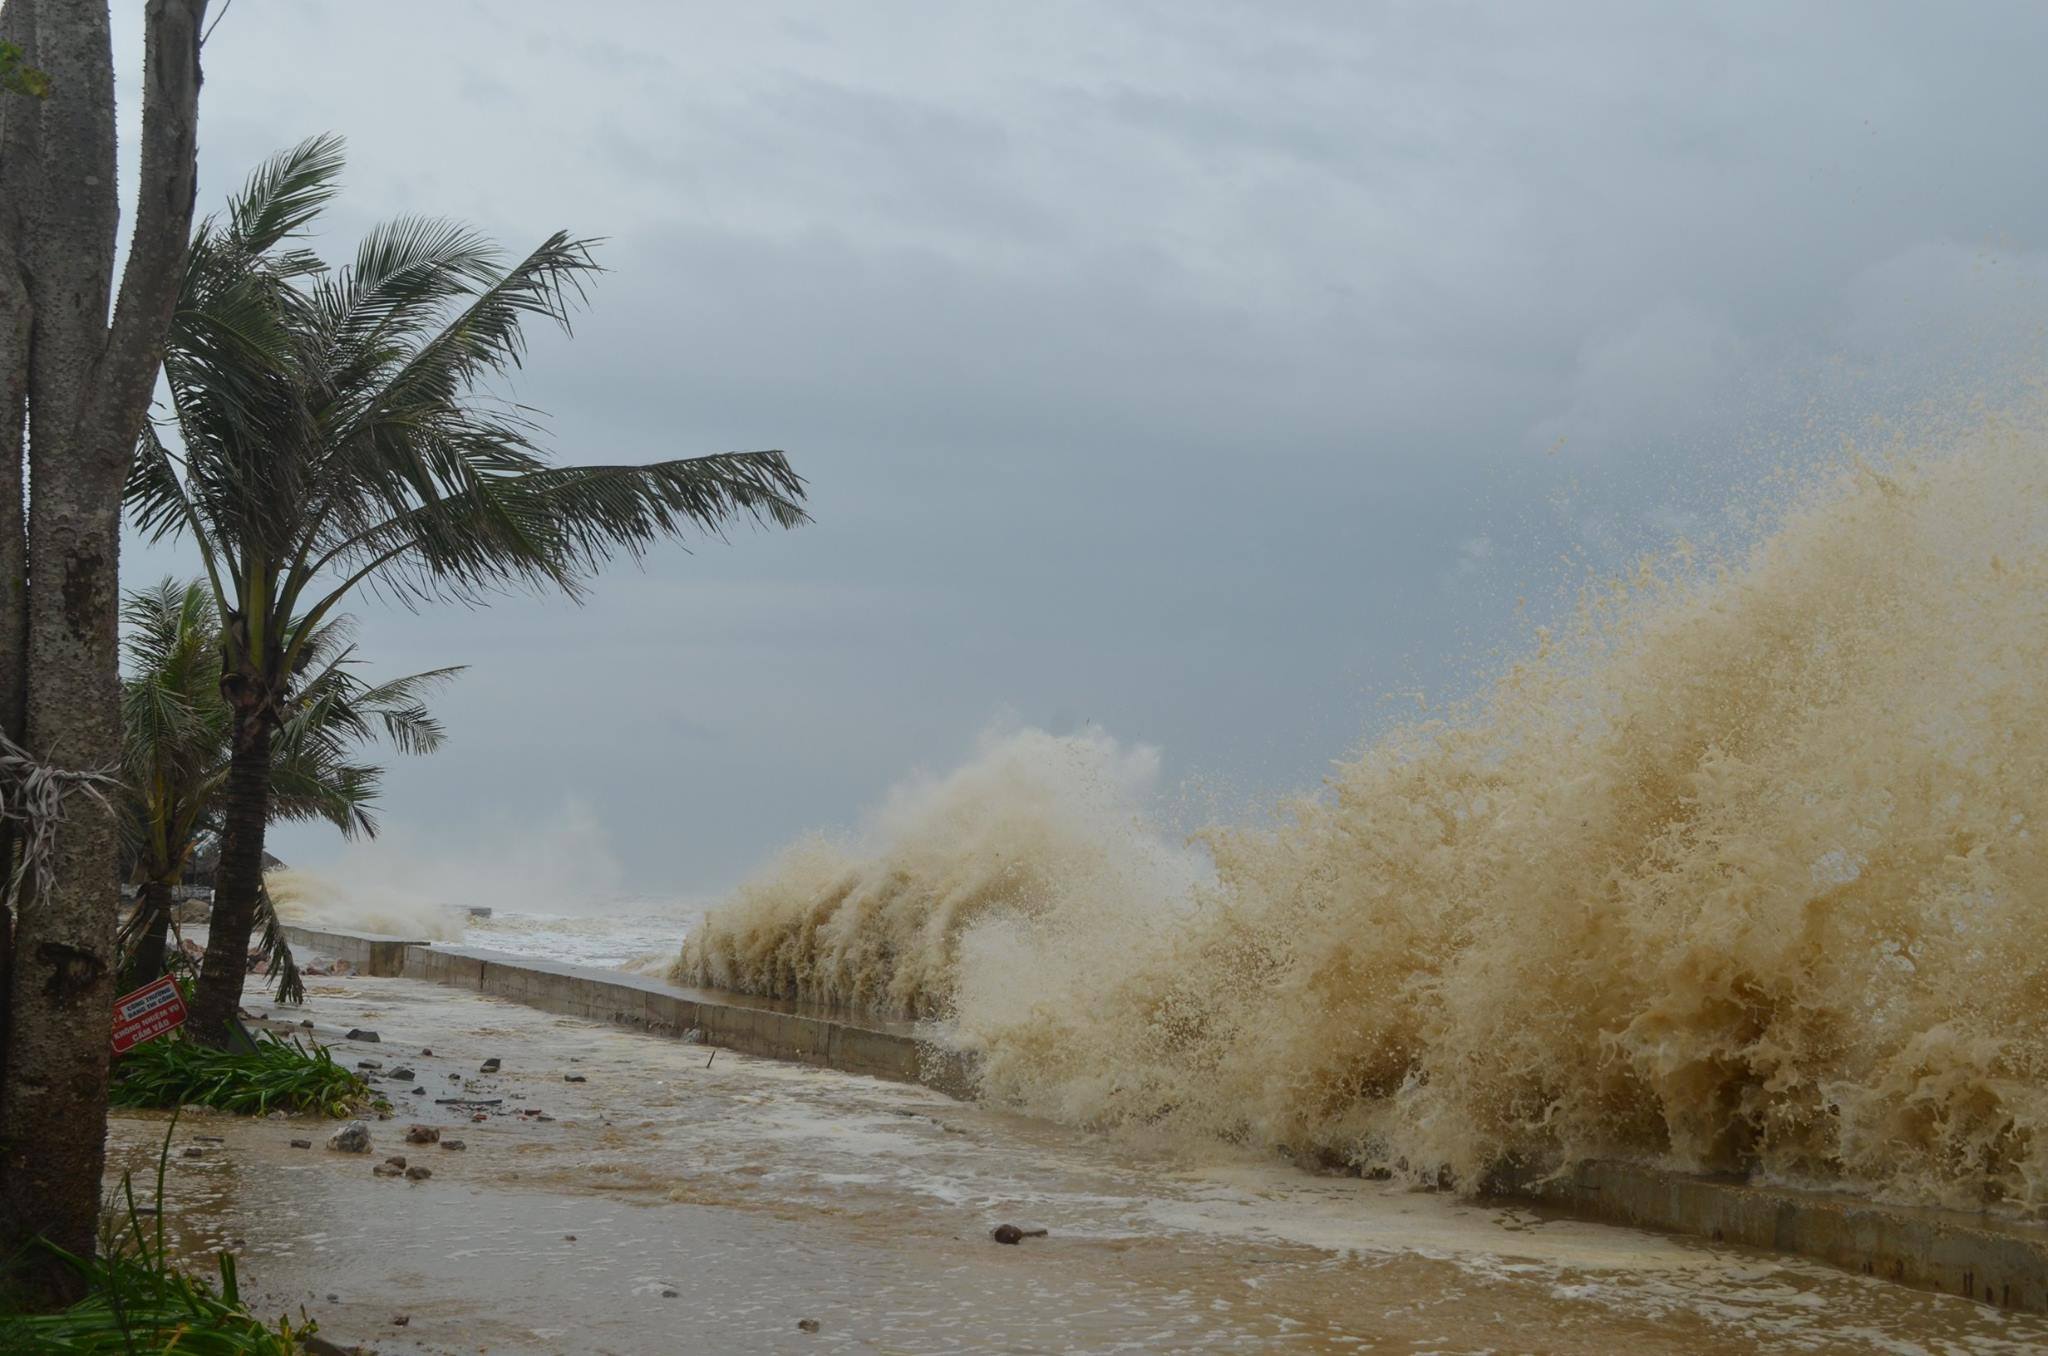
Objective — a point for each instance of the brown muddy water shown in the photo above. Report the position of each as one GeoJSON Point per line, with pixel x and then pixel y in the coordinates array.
{"type": "Point", "coordinates": [681, 1202]}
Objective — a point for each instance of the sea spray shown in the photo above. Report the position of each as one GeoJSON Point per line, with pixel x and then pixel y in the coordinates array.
{"type": "Point", "coordinates": [312, 897]}
{"type": "Point", "coordinates": [1031, 821]}
{"type": "Point", "coordinates": [559, 866]}
{"type": "Point", "coordinates": [1740, 867]}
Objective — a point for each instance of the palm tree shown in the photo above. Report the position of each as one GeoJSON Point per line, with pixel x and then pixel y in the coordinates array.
{"type": "Point", "coordinates": [176, 729]}
{"type": "Point", "coordinates": [336, 430]}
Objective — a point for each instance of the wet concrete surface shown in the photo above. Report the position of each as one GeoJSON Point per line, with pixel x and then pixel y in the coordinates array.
{"type": "Point", "coordinates": [681, 1200]}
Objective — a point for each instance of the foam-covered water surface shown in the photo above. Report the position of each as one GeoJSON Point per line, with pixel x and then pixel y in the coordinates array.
{"type": "Point", "coordinates": [637, 936]}
{"type": "Point", "coordinates": [624, 931]}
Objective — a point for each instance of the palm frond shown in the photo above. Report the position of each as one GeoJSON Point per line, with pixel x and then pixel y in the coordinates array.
{"type": "Point", "coordinates": [552, 527]}
{"type": "Point", "coordinates": [338, 430]}
{"type": "Point", "coordinates": [286, 193]}
{"type": "Point", "coordinates": [277, 951]}
{"type": "Point", "coordinates": [155, 495]}
{"type": "Point", "coordinates": [405, 272]}
{"type": "Point", "coordinates": [314, 782]}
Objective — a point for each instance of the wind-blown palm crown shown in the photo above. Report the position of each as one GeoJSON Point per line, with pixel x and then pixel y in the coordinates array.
{"type": "Point", "coordinates": [336, 428]}
{"type": "Point", "coordinates": [176, 743]}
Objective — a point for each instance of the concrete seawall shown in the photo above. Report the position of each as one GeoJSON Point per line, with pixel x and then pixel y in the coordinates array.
{"type": "Point", "coordinates": [1998, 1262]}
{"type": "Point", "coordinates": [753, 1026]}
{"type": "Point", "coordinates": [371, 953]}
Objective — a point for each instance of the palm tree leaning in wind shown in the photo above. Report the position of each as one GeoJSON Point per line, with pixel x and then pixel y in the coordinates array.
{"type": "Point", "coordinates": [334, 431]}
{"type": "Point", "coordinates": [177, 751]}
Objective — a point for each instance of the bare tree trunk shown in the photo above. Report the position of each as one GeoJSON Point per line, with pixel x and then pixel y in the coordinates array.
{"type": "Point", "coordinates": [89, 383]}
{"type": "Point", "coordinates": [236, 881]}
{"type": "Point", "coordinates": [19, 138]}
{"type": "Point", "coordinates": [62, 980]}
{"type": "Point", "coordinates": [153, 942]}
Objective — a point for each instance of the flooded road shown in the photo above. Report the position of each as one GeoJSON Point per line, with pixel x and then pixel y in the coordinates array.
{"type": "Point", "coordinates": [679, 1200]}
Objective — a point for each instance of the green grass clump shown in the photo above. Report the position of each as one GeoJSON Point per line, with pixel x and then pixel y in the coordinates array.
{"type": "Point", "coordinates": [280, 1075]}
{"type": "Point", "coordinates": [137, 1302]}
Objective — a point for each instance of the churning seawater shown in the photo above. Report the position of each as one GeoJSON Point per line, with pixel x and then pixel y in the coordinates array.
{"type": "Point", "coordinates": [1739, 866]}
{"type": "Point", "coordinates": [676, 1202]}
{"type": "Point", "coordinates": [1735, 867]}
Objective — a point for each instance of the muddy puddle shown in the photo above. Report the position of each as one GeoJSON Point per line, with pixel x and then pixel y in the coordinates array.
{"type": "Point", "coordinates": [685, 1200]}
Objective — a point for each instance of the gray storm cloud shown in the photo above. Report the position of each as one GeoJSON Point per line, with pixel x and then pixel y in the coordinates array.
{"type": "Point", "coordinates": [1153, 365]}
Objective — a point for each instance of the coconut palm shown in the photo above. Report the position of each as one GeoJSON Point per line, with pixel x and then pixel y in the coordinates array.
{"type": "Point", "coordinates": [176, 729]}
{"type": "Point", "coordinates": [336, 430]}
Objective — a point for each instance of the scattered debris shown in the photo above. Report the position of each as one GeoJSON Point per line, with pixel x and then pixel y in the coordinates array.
{"type": "Point", "coordinates": [423, 1134]}
{"type": "Point", "coordinates": [353, 1138]}
{"type": "Point", "coordinates": [194, 1151]}
{"type": "Point", "coordinates": [807, 1325]}
{"type": "Point", "coordinates": [490, 1065]}
{"type": "Point", "coordinates": [400, 1320]}
{"type": "Point", "coordinates": [453, 1144]}
{"type": "Point", "coordinates": [1010, 1233]}
{"type": "Point", "coordinates": [480, 1116]}
{"type": "Point", "coordinates": [568, 1238]}
{"type": "Point", "coordinates": [302, 1144]}
{"type": "Point", "coordinates": [356, 1033]}
{"type": "Point", "coordinates": [369, 1064]}
{"type": "Point", "coordinates": [574, 1078]}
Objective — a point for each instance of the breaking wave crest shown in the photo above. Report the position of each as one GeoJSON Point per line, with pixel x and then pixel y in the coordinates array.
{"type": "Point", "coordinates": [1738, 868]}
{"type": "Point", "coordinates": [1031, 823]}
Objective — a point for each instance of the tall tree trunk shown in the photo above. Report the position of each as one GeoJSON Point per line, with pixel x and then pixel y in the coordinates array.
{"type": "Point", "coordinates": [153, 941]}
{"type": "Point", "coordinates": [89, 380]}
{"type": "Point", "coordinates": [19, 138]}
{"type": "Point", "coordinates": [236, 881]}
{"type": "Point", "coordinates": [63, 981]}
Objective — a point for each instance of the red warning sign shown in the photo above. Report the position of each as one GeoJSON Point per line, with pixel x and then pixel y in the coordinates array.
{"type": "Point", "coordinates": [147, 1013]}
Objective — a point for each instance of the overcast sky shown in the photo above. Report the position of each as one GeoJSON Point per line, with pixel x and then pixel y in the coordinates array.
{"type": "Point", "coordinates": [1205, 371]}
